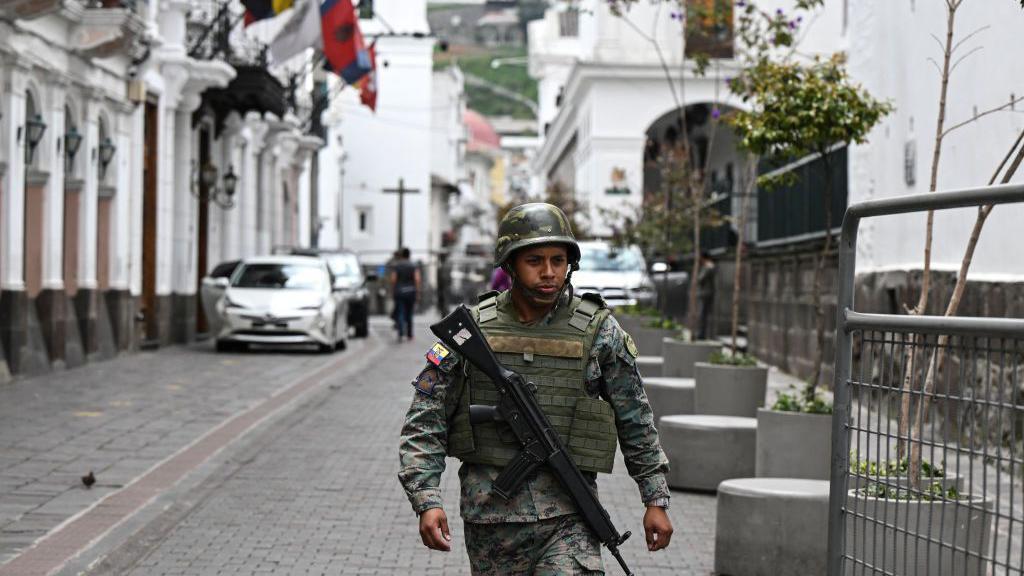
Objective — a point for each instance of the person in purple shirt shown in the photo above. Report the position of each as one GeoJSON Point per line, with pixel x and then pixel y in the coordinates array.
{"type": "Point", "coordinates": [500, 280]}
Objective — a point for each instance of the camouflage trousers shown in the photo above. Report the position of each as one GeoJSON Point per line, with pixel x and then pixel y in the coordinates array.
{"type": "Point", "coordinates": [556, 546]}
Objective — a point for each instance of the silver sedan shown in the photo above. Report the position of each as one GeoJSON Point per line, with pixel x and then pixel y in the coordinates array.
{"type": "Point", "coordinates": [282, 300]}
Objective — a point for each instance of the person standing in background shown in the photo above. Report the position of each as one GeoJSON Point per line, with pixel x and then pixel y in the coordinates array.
{"type": "Point", "coordinates": [405, 288]}
{"type": "Point", "coordinates": [706, 295]}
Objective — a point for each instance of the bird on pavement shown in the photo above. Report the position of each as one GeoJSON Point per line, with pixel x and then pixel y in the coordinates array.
{"type": "Point", "coordinates": [89, 479]}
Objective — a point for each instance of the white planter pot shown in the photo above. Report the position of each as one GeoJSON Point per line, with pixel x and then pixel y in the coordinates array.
{"type": "Point", "coordinates": [948, 481]}
{"type": "Point", "coordinates": [793, 445]}
{"type": "Point", "coordinates": [680, 356]}
{"type": "Point", "coordinates": [648, 340]}
{"type": "Point", "coordinates": [729, 390]}
{"type": "Point", "coordinates": [632, 324]}
{"type": "Point", "coordinates": [876, 533]}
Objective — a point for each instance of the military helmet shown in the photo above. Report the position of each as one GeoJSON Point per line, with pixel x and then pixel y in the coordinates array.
{"type": "Point", "coordinates": [532, 224]}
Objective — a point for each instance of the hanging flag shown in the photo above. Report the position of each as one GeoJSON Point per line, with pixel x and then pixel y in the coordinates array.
{"type": "Point", "coordinates": [302, 31]}
{"type": "Point", "coordinates": [368, 83]}
{"type": "Point", "coordinates": [256, 10]}
{"type": "Point", "coordinates": [343, 41]}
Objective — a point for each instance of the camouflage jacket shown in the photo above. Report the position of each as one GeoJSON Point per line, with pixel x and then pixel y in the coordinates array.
{"type": "Point", "coordinates": [611, 374]}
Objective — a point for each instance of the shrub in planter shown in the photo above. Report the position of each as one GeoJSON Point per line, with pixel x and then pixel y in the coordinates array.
{"type": "Point", "coordinates": [893, 475]}
{"type": "Point", "coordinates": [736, 388]}
{"type": "Point", "coordinates": [794, 438]}
{"type": "Point", "coordinates": [934, 532]}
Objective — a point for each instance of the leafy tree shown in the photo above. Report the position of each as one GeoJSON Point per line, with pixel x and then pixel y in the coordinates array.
{"type": "Point", "coordinates": [802, 109]}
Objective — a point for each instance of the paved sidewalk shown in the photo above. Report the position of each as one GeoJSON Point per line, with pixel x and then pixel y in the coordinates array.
{"type": "Point", "coordinates": [118, 419]}
{"type": "Point", "coordinates": [317, 493]}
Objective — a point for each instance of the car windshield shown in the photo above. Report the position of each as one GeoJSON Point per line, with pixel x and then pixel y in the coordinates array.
{"type": "Point", "coordinates": [286, 276]}
{"type": "Point", "coordinates": [344, 265]}
{"type": "Point", "coordinates": [607, 259]}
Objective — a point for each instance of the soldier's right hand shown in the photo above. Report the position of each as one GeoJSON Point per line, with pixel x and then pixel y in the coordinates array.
{"type": "Point", "coordinates": [434, 530]}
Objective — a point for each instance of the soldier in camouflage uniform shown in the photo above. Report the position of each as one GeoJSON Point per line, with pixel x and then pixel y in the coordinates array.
{"type": "Point", "coordinates": [584, 366]}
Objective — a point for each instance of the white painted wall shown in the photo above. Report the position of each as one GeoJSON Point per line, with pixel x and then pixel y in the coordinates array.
{"type": "Point", "coordinates": [386, 146]}
{"type": "Point", "coordinates": [879, 30]}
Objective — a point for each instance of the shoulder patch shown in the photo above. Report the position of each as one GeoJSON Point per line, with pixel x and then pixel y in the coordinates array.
{"type": "Point", "coordinates": [442, 357]}
{"type": "Point", "coordinates": [630, 345]}
{"type": "Point", "coordinates": [486, 295]}
{"type": "Point", "coordinates": [426, 382]}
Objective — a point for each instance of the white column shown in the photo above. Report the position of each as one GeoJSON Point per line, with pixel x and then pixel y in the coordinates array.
{"type": "Point", "coordinates": [132, 204]}
{"type": "Point", "coordinates": [184, 200]}
{"type": "Point", "coordinates": [51, 159]}
{"type": "Point", "coordinates": [88, 208]}
{"type": "Point", "coordinates": [247, 196]}
{"type": "Point", "coordinates": [231, 139]}
{"type": "Point", "coordinates": [175, 75]}
{"type": "Point", "coordinates": [13, 209]}
{"type": "Point", "coordinates": [120, 225]}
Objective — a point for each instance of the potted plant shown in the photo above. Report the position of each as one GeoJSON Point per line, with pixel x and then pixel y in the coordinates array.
{"type": "Point", "coordinates": [895, 474]}
{"type": "Point", "coordinates": [794, 437]}
{"type": "Point", "coordinates": [935, 531]}
{"type": "Point", "coordinates": [729, 385]}
{"type": "Point", "coordinates": [633, 318]}
{"type": "Point", "coordinates": [649, 336]}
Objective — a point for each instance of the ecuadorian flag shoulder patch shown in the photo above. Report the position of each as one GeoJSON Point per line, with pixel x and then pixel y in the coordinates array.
{"type": "Point", "coordinates": [437, 354]}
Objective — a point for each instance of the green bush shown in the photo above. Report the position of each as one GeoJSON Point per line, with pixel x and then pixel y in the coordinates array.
{"type": "Point", "coordinates": [638, 310]}
{"type": "Point", "coordinates": [802, 402]}
{"type": "Point", "coordinates": [892, 468]}
{"type": "Point", "coordinates": [664, 324]}
{"type": "Point", "coordinates": [933, 492]}
{"type": "Point", "coordinates": [724, 359]}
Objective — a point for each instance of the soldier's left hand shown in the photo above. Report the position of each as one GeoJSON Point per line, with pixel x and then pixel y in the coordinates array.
{"type": "Point", "coordinates": [657, 528]}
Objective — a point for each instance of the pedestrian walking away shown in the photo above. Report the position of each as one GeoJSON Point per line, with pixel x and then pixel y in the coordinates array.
{"type": "Point", "coordinates": [405, 289]}
{"type": "Point", "coordinates": [583, 369]}
{"type": "Point", "coordinates": [706, 294]}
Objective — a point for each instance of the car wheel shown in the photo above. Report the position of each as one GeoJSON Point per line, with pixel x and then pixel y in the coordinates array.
{"type": "Point", "coordinates": [226, 346]}
{"type": "Point", "coordinates": [341, 344]}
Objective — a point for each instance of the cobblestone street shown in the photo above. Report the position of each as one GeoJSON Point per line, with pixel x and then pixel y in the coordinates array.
{"type": "Point", "coordinates": [310, 490]}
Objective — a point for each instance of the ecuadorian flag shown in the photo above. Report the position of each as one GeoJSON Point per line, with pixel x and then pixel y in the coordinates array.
{"type": "Point", "coordinates": [256, 10]}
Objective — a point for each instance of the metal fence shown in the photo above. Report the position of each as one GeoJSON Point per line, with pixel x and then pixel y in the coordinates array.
{"type": "Point", "coordinates": [928, 428]}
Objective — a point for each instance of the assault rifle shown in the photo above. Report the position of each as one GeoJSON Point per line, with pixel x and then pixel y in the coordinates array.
{"type": "Point", "coordinates": [517, 406]}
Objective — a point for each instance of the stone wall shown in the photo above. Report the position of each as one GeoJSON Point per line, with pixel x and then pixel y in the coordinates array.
{"type": "Point", "coordinates": [781, 315]}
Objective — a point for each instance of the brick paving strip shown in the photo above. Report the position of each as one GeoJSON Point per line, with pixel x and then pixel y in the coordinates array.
{"type": "Point", "coordinates": [77, 533]}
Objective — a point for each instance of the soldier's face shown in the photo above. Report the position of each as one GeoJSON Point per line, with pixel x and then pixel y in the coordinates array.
{"type": "Point", "coordinates": [540, 272]}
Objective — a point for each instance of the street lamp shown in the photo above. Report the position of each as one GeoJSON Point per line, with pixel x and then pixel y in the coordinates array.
{"type": "Point", "coordinates": [223, 197]}
{"type": "Point", "coordinates": [230, 181]}
{"type": "Point", "coordinates": [34, 129]}
{"type": "Point", "coordinates": [107, 150]}
{"type": "Point", "coordinates": [72, 141]}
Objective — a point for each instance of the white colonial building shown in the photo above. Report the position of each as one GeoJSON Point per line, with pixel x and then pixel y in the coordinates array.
{"type": "Point", "coordinates": [606, 107]}
{"type": "Point", "coordinates": [135, 154]}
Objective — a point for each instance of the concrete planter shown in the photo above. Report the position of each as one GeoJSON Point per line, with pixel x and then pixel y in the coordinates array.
{"type": "Point", "coordinates": [729, 390]}
{"type": "Point", "coordinates": [962, 527]}
{"type": "Point", "coordinates": [632, 324]}
{"type": "Point", "coordinates": [680, 356]}
{"type": "Point", "coordinates": [669, 396]}
{"type": "Point", "coordinates": [648, 340]}
{"type": "Point", "coordinates": [772, 527]}
{"type": "Point", "coordinates": [793, 444]}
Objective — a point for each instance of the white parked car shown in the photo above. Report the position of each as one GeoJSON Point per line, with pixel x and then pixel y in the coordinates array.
{"type": "Point", "coordinates": [619, 275]}
{"type": "Point", "coordinates": [282, 300]}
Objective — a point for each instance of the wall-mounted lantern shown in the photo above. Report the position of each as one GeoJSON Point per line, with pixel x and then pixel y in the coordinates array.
{"type": "Point", "coordinates": [72, 141]}
{"type": "Point", "coordinates": [107, 151]}
{"type": "Point", "coordinates": [34, 130]}
{"type": "Point", "coordinates": [208, 176]}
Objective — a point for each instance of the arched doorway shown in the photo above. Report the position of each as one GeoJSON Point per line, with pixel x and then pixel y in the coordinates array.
{"type": "Point", "coordinates": [712, 148]}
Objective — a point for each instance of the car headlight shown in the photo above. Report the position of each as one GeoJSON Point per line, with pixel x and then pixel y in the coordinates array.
{"type": "Point", "coordinates": [316, 306]}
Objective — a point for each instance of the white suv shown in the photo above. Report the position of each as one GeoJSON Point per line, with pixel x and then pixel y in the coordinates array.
{"type": "Point", "coordinates": [619, 275]}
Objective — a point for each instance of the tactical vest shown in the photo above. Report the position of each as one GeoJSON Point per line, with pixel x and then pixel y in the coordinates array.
{"type": "Point", "coordinates": [554, 358]}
